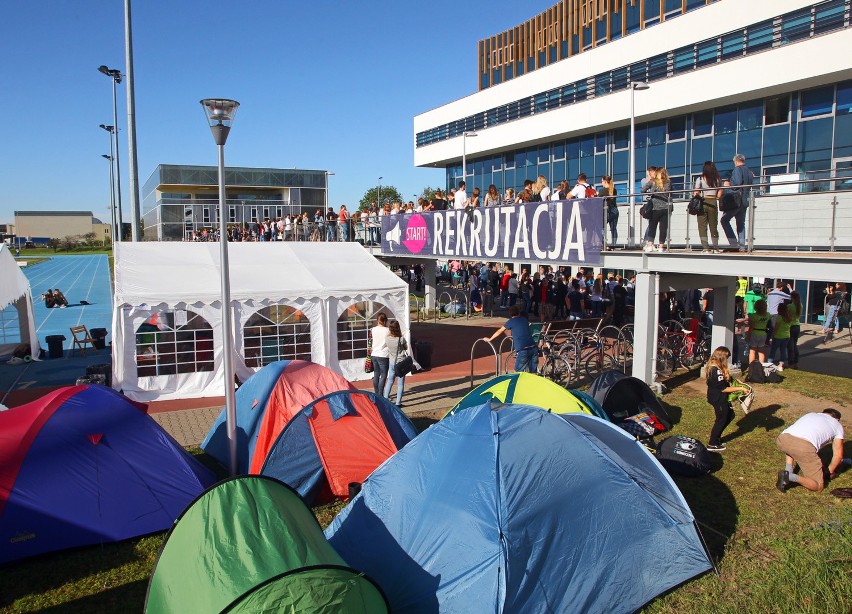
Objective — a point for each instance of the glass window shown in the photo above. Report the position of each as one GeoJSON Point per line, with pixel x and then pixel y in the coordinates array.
{"type": "Point", "coordinates": [641, 136]}
{"type": "Point", "coordinates": [725, 120]}
{"type": "Point", "coordinates": [619, 165]}
{"type": "Point", "coordinates": [558, 171]}
{"type": "Point", "coordinates": [540, 103]}
{"type": "Point", "coordinates": [796, 25]}
{"type": "Point", "coordinates": [658, 67]}
{"type": "Point", "coordinates": [694, 4]}
{"type": "Point", "coordinates": [619, 79]}
{"type": "Point", "coordinates": [587, 146]}
{"type": "Point", "coordinates": [684, 59]}
{"type": "Point", "coordinates": [544, 154]}
{"type": "Point", "coordinates": [174, 341]}
{"type": "Point", "coordinates": [750, 116]}
{"type": "Point", "coordinates": [702, 150]}
{"type": "Point", "coordinates": [843, 136]}
{"type": "Point", "coordinates": [817, 102]}
{"type": "Point", "coordinates": [277, 332]}
{"type": "Point", "coordinates": [633, 17]}
{"type": "Point", "coordinates": [582, 90]}
{"type": "Point", "coordinates": [639, 72]}
{"type": "Point", "coordinates": [828, 16]}
{"type": "Point", "coordinates": [559, 151]}
{"type": "Point", "coordinates": [573, 149]}
{"type": "Point", "coordinates": [509, 157]}
{"type": "Point", "coordinates": [567, 96]}
{"type": "Point", "coordinates": [553, 99]}
{"type": "Point", "coordinates": [777, 110]}
{"type": "Point", "coordinates": [672, 7]}
{"type": "Point", "coordinates": [707, 52]}
{"type": "Point", "coordinates": [353, 328]}
{"type": "Point", "coordinates": [615, 21]}
{"type": "Point", "coordinates": [657, 133]}
{"type": "Point", "coordinates": [844, 98]}
{"type": "Point", "coordinates": [733, 45]}
{"type": "Point", "coordinates": [600, 31]}
{"type": "Point", "coordinates": [702, 123]}
{"type": "Point", "coordinates": [600, 142]}
{"type": "Point", "coordinates": [677, 128]}
{"type": "Point", "coordinates": [760, 36]}
{"type": "Point", "coordinates": [676, 156]}
{"type": "Point", "coordinates": [524, 107]}
{"type": "Point", "coordinates": [603, 84]}
{"type": "Point", "coordinates": [724, 150]}
{"type": "Point", "coordinates": [621, 137]}
{"type": "Point", "coordinates": [749, 143]}
{"type": "Point", "coordinates": [776, 143]}
{"type": "Point", "coordinates": [652, 13]}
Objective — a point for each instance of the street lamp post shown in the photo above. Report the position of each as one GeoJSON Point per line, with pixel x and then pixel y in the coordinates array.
{"type": "Point", "coordinates": [220, 115]}
{"type": "Point", "coordinates": [631, 232]}
{"type": "Point", "coordinates": [115, 75]}
{"type": "Point", "coordinates": [379, 195]}
{"type": "Point", "coordinates": [465, 135]}
{"type": "Point", "coordinates": [327, 175]}
{"type": "Point", "coordinates": [111, 194]}
{"type": "Point", "coordinates": [116, 226]}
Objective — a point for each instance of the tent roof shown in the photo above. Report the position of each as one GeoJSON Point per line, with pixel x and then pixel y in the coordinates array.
{"type": "Point", "coordinates": [153, 273]}
{"type": "Point", "coordinates": [13, 282]}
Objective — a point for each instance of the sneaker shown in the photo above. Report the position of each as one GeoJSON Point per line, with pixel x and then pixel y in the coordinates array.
{"type": "Point", "coordinates": [717, 251]}
{"type": "Point", "coordinates": [719, 448]}
{"type": "Point", "coordinates": [783, 481]}
{"type": "Point", "coordinates": [661, 249]}
{"type": "Point", "coordinates": [706, 251]}
{"type": "Point", "coordinates": [779, 366]}
{"type": "Point", "coordinates": [648, 248]}
{"type": "Point", "coordinates": [746, 402]}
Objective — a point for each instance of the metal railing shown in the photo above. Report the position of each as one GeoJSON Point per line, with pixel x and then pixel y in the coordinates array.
{"type": "Point", "coordinates": [496, 358]}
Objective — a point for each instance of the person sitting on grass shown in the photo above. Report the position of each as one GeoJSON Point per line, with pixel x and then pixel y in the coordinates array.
{"type": "Point", "coordinates": [802, 441]}
{"type": "Point", "coordinates": [526, 351]}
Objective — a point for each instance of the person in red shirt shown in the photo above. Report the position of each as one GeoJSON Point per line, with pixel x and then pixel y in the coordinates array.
{"type": "Point", "coordinates": [504, 288]}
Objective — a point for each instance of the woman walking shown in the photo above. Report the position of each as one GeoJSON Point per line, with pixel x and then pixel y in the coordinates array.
{"type": "Point", "coordinates": [608, 192]}
{"type": "Point", "coordinates": [659, 187]}
{"type": "Point", "coordinates": [718, 388]}
{"type": "Point", "coordinates": [397, 350]}
{"type": "Point", "coordinates": [379, 353]}
{"type": "Point", "coordinates": [708, 186]}
{"type": "Point", "coordinates": [795, 308]}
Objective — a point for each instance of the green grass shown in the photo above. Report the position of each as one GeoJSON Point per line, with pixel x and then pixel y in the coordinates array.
{"type": "Point", "coordinates": [49, 251]}
{"type": "Point", "coordinates": [775, 552]}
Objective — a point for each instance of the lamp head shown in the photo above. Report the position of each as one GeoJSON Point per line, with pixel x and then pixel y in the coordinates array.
{"type": "Point", "coordinates": [639, 85]}
{"type": "Point", "coordinates": [470, 134]}
{"type": "Point", "coordinates": [220, 114]}
{"type": "Point", "coordinates": [114, 73]}
{"type": "Point", "coordinates": [109, 129]}
{"type": "Point", "coordinates": [108, 157]}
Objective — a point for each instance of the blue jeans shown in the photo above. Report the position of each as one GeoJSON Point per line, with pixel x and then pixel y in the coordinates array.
{"type": "Point", "coordinates": [780, 346]}
{"type": "Point", "coordinates": [345, 228]}
{"type": "Point", "coordinates": [400, 385]}
{"type": "Point", "coordinates": [739, 216]}
{"type": "Point", "coordinates": [832, 320]}
{"type": "Point", "coordinates": [612, 221]}
{"type": "Point", "coordinates": [331, 233]}
{"type": "Point", "coordinates": [380, 373]}
{"type": "Point", "coordinates": [527, 360]}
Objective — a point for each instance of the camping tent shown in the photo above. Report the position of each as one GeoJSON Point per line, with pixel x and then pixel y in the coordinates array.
{"type": "Point", "coordinates": [265, 404]}
{"type": "Point", "coordinates": [516, 509]}
{"type": "Point", "coordinates": [304, 300]}
{"type": "Point", "coordinates": [529, 389]}
{"type": "Point", "coordinates": [83, 465]}
{"type": "Point", "coordinates": [249, 544]}
{"type": "Point", "coordinates": [337, 440]}
{"type": "Point", "coordinates": [17, 321]}
{"type": "Point", "coordinates": [622, 396]}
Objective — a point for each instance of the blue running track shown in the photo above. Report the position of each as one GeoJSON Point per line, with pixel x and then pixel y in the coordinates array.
{"type": "Point", "coordinates": [79, 278]}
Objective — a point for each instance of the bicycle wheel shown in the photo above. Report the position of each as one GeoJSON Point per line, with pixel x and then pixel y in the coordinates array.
{"type": "Point", "coordinates": [557, 370]}
{"type": "Point", "coordinates": [599, 362]}
{"type": "Point", "coordinates": [665, 362]}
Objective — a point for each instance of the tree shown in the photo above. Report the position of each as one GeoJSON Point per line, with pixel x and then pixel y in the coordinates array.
{"type": "Point", "coordinates": [89, 238]}
{"type": "Point", "coordinates": [389, 194]}
{"type": "Point", "coordinates": [429, 193]}
{"type": "Point", "coordinates": [55, 243]}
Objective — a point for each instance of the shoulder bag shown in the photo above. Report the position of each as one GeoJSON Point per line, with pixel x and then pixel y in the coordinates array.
{"type": "Point", "coordinates": [368, 362]}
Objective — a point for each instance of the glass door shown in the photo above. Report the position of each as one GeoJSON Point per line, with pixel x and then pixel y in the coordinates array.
{"type": "Point", "coordinates": [843, 172]}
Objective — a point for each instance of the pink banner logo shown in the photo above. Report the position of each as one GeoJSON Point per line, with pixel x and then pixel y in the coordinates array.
{"type": "Point", "coordinates": [416, 234]}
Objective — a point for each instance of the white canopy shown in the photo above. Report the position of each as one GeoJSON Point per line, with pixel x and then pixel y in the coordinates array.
{"type": "Point", "coordinates": [15, 290]}
{"type": "Point", "coordinates": [320, 280]}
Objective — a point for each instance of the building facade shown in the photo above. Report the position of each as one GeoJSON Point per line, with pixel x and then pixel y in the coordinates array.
{"type": "Point", "coordinates": [179, 200]}
{"type": "Point", "coordinates": [766, 78]}
{"type": "Point", "coordinates": [41, 226]}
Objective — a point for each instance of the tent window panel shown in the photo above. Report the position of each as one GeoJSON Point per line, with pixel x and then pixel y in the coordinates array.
{"type": "Point", "coordinates": [274, 333]}
{"type": "Point", "coordinates": [10, 325]}
{"type": "Point", "coordinates": [353, 328]}
{"type": "Point", "coordinates": [174, 341]}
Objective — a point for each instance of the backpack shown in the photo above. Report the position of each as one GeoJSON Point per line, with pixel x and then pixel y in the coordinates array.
{"type": "Point", "coordinates": [756, 373]}
{"type": "Point", "coordinates": [590, 191]}
{"type": "Point", "coordinates": [684, 456]}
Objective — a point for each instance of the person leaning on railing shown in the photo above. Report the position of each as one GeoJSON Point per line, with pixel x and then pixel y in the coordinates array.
{"type": "Point", "coordinates": [659, 187]}
{"type": "Point", "coordinates": [741, 179]}
{"type": "Point", "coordinates": [708, 186]}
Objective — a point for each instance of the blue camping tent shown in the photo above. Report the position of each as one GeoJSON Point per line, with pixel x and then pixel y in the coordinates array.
{"type": "Point", "coordinates": [84, 465]}
{"type": "Point", "coordinates": [521, 511]}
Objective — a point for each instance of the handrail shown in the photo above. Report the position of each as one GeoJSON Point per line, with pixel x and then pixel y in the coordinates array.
{"type": "Point", "coordinates": [496, 359]}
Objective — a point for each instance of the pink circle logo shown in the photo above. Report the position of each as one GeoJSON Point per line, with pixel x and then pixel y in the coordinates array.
{"type": "Point", "coordinates": [416, 234]}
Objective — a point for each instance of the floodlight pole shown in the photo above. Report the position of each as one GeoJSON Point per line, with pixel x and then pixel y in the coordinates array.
{"type": "Point", "coordinates": [220, 113]}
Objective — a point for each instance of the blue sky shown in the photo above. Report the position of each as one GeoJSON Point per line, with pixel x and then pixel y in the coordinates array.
{"type": "Point", "coordinates": [322, 85]}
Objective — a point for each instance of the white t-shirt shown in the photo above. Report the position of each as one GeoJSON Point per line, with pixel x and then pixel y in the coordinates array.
{"type": "Point", "coordinates": [545, 193]}
{"type": "Point", "coordinates": [773, 299]}
{"type": "Point", "coordinates": [380, 341]}
{"type": "Point", "coordinates": [460, 200]}
{"type": "Point", "coordinates": [818, 429]}
{"type": "Point", "coordinates": [579, 190]}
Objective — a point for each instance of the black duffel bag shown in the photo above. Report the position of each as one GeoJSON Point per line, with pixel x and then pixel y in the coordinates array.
{"type": "Point", "coordinates": [684, 456]}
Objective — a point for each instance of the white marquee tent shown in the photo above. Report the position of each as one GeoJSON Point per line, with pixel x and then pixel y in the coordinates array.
{"type": "Point", "coordinates": [311, 298]}
{"type": "Point", "coordinates": [18, 325]}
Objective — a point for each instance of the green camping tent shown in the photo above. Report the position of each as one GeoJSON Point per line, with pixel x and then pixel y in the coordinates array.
{"type": "Point", "coordinates": [249, 544]}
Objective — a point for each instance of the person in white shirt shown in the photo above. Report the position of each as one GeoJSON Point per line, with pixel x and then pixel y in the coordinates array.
{"type": "Point", "coordinates": [460, 199]}
{"type": "Point", "coordinates": [380, 353]}
{"type": "Point", "coordinates": [802, 441]}
{"type": "Point", "coordinates": [775, 297]}
{"type": "Point", "coordinates": [579, 190]}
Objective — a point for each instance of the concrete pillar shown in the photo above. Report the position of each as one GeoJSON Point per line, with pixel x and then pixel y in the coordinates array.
{"type": "Point", "coordinates": [430, 283]}
{"type": "Point", "coordinates": [646, 306]}
{"type": "Point", "coordinates": [722, 333]}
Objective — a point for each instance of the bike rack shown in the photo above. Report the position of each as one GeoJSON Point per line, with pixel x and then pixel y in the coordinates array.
{"type": "Point", "coordinates": [496, 358]}
{"type": "Point", "coordinates": [438, 305]}
{"type": "Point", "coordinates": [419, 306]}
{"type": "Point", "coordinates": [466, 300]}
{"type": "Point", "coordinates": [501, 351]}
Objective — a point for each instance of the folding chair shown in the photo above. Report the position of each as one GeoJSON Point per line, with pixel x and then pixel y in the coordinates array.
{"type": "Point", "coordinates": [81, 341]}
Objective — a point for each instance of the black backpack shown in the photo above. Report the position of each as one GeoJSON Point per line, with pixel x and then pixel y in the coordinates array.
{"type": "Point", "coordinates": [684, 456]}
{"type": "Point", "coordinates": [756, 373]}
